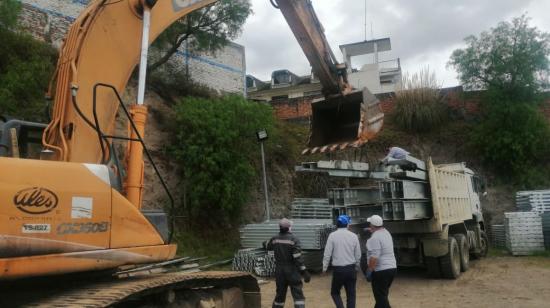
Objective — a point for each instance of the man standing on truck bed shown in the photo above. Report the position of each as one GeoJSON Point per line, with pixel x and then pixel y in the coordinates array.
{"type": "Point", "coordinates": [289, 264]}
{"type": "Point", "coordinates": [344, 249]}
{"type": "Point", "coordinates": [382, 265]}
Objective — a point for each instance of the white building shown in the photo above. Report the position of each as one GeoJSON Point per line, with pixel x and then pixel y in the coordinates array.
{"type": "Point", "coordinates": [224, 71]}
{"type": "Point", "coordinates": [378, 76]}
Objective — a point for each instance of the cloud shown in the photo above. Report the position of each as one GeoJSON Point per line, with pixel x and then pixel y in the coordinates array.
{"type": "Point", "coordinates": [423, 32]}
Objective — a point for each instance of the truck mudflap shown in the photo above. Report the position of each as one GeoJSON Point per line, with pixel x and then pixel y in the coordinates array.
{"type": "Point", "coordinates": [344, 121]}
{"type": "Point", "coordinates": [138, 289]}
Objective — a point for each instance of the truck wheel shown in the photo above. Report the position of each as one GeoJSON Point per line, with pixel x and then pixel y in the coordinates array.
{"type": "Point", "coordinates": [483, 247]}
{"type": "Point", "coordinates": [450, 263]}
{"type": "Point", "coordinates": [432, 264]}
{"type": "Point", "coordinates": [464, 248]}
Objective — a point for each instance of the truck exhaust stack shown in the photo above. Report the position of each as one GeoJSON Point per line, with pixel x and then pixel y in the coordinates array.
{"type": "Point", "coordinates": [344, 121]}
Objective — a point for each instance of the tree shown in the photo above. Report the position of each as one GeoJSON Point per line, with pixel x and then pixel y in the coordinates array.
{"type": "Point", "coordinates": [511, 64]}
{"type": "Point", "coordinates": [9, 11]}
{"type": "Point", "coordinates": [511, 58]}
{"type": "Point", "coordinates": [216, 146]}
{"type": "Point", "coordinates": [208, 29]}
{"type": "Point", "coordinates": [25, 68]}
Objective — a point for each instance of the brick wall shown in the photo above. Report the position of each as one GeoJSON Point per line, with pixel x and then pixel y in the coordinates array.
{"type": "Point", "coordinates": [293, 109]}
{"type": "Point", "coordinates": [49, 20]}
{"type": "Point", "coordinates": [456, 100]}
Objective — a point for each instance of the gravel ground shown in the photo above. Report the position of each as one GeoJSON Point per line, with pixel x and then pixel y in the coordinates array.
{"type": "Point", "coordinates": [491, 282]}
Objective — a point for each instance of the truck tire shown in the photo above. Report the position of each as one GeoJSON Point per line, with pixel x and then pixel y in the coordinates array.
{"type": "Point", "coordinates": [484, 246]}
{"type": "Point", "coordinates": [432, 265]}
{"type": "Point", "coordinates": [464, 248]}
{"type": "Point", "coordinates": [450, 263]}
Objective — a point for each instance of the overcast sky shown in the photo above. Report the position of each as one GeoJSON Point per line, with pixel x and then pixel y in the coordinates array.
{"type": "Point", "coordinates": [422, 32]}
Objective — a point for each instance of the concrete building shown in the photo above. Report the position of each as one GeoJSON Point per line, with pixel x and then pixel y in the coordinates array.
{"type": "Point", "coordinates": [378, 76]}
{"type": "Point", "coordinates": [291, 95]}
{"type": "Point", "coordinates": [224, 71]}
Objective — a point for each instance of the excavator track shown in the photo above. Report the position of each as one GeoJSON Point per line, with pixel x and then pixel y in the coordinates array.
{"type": "Point", "coordinates": [135, 291]}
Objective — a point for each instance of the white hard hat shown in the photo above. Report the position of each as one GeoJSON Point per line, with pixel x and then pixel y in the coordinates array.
{"type": "Point", "coordinates": [375, 220]}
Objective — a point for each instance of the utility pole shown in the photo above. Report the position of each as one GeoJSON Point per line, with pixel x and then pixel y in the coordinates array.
{"type": "Point", "coordinates": [262, 136]}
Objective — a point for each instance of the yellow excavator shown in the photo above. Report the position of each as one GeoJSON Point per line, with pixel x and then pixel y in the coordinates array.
{"type": "Point", "coordinates": [69, 205]}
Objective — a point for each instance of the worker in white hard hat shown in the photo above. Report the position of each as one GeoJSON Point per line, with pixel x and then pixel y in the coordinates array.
{"type": "Point", "coordinates": [289, 266]}
{"type": "Point", "coordinates": [382, 265]}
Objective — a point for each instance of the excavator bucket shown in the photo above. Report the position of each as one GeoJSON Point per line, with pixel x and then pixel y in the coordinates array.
{"type": "Point", "coordinates": [344, 121]}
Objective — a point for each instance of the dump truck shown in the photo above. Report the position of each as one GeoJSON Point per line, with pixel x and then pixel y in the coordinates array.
{"type": "Point", "coordinates": [433, 212]}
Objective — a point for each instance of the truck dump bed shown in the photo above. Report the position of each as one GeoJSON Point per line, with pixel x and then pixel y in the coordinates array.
{"type": "Point", "coordinates": [450, 200]}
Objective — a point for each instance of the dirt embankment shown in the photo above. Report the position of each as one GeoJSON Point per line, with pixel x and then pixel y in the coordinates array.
{"type": "Point", "coordinates": [445, 145]}
{"type": "Point", "coordinates": [157, 138]}
{"type": "Point", "coordinates": [492, 282]}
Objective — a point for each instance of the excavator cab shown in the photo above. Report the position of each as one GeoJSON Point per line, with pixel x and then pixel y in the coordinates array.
{"type": "Point", "coordinates": [344, 121]}
{"type": "Point", "coordinates": [21, 139]}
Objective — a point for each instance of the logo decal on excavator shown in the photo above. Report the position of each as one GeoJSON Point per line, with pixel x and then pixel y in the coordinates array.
{"type": "Point", "coordinates": [35, 200]}
{"type": "Point", "coordinates": [181, 4]}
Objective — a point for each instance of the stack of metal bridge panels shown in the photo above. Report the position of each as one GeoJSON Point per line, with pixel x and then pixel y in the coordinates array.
{"type": "Point", "coordinates": [344, 197]}
{"type": "Point", "coordinates": [313, 233]}
{"type": "Point", "coordinates": [262, 262]}
{"type": "Point", "coordinates": [533, 200]}
{"type": "Point", "coordinates": [545, 217]}
{"type": "Point", "coordinates": [498, 236]}
{"type": "Point", "coordinates": [405, 200]}
{"type": "Point", "coordinates": [311, 208]}
{"type": "Point", "coordinates": [358, 203]}
{"type": "Point", "coordinates": [523, 233]}
{"type": "Point", "coordinates": [522, 202]}
{"type": "Point", "coordinates": [265, 265]}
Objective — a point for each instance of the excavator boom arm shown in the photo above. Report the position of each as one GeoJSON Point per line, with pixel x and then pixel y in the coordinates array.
{"type": "Point", "coordinates": [102, 46]}
{"type": "Point", "coordinates": [309, 33]}
{"type": "Point", "coordinates": [345, 118]}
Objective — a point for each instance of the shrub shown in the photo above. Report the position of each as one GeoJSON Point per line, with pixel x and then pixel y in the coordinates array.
{"type": "Point", "coordinates": [418, 106]}
{"type": "Point", "coordinates": [216, 145]}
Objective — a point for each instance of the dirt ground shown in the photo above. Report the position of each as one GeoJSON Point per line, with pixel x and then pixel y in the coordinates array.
{"type": "Point", "coordinates": [491, 282]}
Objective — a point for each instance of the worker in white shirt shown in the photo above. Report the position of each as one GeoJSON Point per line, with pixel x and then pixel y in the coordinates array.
{"type": "Point", "coordinates": [344, 249]}
{"type": "Point", "coordinates": [382, 265]}
{"type": "Point", "coordinates": [395, 153]}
